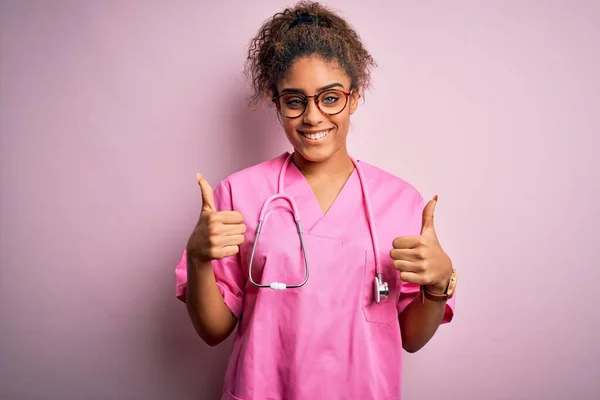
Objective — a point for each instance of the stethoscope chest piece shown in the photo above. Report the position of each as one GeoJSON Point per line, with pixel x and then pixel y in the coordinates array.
{"type": "Point", "coordinates": [381, 288]}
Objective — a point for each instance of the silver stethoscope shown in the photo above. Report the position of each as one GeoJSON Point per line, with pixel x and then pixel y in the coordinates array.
{"type": "Point", "coordinates": [381, 289]}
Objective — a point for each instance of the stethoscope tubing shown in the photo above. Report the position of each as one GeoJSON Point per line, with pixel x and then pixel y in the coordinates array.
{"type": "Point", "coordinates": [296, 214]}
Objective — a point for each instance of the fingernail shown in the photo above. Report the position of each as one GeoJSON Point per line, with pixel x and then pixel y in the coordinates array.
{"type": "Point", "coordinates": [435, 197]}
{"type": "Point", "coordinates": [199, 176]}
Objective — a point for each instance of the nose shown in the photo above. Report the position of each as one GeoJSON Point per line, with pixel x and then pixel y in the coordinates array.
{"type": "Point", "coordinates": [312, 114]}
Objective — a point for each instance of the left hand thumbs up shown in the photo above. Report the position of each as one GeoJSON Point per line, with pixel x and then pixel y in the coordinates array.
{"type": "Point", "coordinates": [420, 259]}
{"type": "Point", "coordinates": [427, 227]}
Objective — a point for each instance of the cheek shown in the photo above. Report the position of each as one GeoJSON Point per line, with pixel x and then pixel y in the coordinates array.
{"type": "Point", "coordinates": [289, 126]}
{"type": "Point", "coordinates": [342, 122]}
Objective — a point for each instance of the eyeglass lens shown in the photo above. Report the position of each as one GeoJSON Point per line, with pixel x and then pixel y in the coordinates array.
{"type": "Point", "coordinates": [330, 102]}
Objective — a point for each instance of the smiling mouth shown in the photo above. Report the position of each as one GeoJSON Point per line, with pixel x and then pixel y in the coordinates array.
{"type": "Point", "coordinates": [315, 136]}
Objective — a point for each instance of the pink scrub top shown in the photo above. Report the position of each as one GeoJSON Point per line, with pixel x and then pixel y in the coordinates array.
{"type": "Point", "coordinates": [327, 339]}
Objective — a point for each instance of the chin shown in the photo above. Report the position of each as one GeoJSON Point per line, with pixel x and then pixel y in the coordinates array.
{"type": "Point", "coordinates": [316, 154]}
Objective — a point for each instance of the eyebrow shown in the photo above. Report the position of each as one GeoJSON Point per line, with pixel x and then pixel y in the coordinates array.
{"type": "Point", "coordinates": [330, 86]}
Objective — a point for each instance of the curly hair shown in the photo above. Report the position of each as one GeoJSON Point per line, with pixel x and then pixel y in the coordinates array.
{"type": "Point", "coordinates": [306, 29]}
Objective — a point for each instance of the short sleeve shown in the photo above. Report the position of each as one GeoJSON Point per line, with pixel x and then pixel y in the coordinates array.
{"type": "Point", "coordinates": [408, 291]}
{"type": "Point", "coordinates": [228, 271]}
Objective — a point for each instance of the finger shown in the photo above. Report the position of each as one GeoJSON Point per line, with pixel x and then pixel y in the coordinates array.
{"type": "Point", "coordinates": [411, 277]}
{"type": "Point", "coordinates": [217, 229]}
{"type": "Point", "coordinates": [231, 240]}
{"type": "Point", "coordinates": [208, 197]}
{"type": "Point", "coordinates": [406, 242]}
{"type": "Point", "coordinates": [427, 224]}
{"type": "Point", "coordinates": [229, 217]}
{"type": "Point", "coordinates": [226, 251]}
{"type": "Point", "coordinates": [406, 254]}
{"type": "Point", "coordinates": [233, 229]}
{"type": "Point", "coordinates": [406, 266]}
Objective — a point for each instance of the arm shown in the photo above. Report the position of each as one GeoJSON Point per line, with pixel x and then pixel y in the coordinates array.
{"type": "Point", "coordinates": [209, 277]}
{"type": "Point", "coordinates": [422, 262]}
{"type": "Point", "coordinates": [212, 319]}
{"type": "Point", "coordinates": [419, 321]}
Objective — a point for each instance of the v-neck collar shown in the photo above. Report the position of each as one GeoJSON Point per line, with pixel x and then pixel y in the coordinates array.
{"type": "Point", "coordinates": [333, 223]}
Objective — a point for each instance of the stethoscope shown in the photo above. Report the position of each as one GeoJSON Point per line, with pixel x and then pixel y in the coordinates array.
{"type": "Point", "coordinates": [381, 289]}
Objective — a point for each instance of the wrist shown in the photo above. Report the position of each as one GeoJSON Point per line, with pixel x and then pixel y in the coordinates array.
{"type": "Point", "coordinates": [196, 264]}
{"type": "Point", "coordinates": [443, 290]}
{"type": "Point", "coordinates": [439, 287]}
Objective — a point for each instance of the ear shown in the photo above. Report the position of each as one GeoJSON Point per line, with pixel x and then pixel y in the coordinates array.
{"type": "Point", "coordinates": [354, 101]}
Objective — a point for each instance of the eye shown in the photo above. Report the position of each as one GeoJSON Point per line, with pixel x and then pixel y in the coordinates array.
{"type": "Point", "coordinates": [329, 98]}
{"type": "Point", "coordinates": [292, 101]}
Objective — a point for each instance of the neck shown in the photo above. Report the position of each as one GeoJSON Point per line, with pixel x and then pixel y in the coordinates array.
{"type": "Point", "coordinates": [338, 164]}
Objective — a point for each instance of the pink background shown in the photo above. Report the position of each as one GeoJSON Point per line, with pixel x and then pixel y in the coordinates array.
{"type": "Point", "coordinates": [109, 108]}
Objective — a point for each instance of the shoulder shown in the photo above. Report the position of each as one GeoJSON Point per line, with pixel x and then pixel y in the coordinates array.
{"type": "Point", "coordinates": [254, 176]}
{"type": "Point", "coordinates": [386, 184]}
{"type": "Point", "coordinates": [396, 203]}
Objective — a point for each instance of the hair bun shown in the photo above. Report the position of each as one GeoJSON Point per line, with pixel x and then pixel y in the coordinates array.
{"type": "Point", "coordinates": [306, 29]}
{"type": "Point", "coordinates": [306, 18]}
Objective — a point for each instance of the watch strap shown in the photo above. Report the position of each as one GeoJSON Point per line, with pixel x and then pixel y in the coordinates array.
{"type": "Point", "coordinates": [448, 292]}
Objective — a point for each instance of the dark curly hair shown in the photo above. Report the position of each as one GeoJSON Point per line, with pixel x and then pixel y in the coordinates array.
{"type": "Point", "coordinates": [306, 29]}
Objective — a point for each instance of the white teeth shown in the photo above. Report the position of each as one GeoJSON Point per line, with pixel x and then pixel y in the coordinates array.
{"type": "Point", "coordinates": [315, 136]}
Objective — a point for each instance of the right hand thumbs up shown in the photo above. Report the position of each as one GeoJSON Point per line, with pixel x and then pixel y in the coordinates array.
{"type": "Point", "coordinates": [208, 197]}
{"type": "Point", "coordinates": [217, 234]}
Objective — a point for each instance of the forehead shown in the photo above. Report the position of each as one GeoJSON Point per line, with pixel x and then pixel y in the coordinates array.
{"type": "Point", "coordinates": [311, 73]}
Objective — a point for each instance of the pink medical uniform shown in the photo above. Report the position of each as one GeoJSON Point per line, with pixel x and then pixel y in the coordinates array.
{"type": "Point", "coordinates": [327, 339]}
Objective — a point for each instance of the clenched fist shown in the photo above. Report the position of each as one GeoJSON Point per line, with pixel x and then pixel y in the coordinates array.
{"type": "Point", "coordinates": [217, 234]}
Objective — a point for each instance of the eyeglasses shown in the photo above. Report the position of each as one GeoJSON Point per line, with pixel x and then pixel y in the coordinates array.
{"type": "Point", "coordinates": [329, 102]}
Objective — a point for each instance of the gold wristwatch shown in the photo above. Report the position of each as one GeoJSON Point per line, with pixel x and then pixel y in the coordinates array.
{"type": "Point", "coordinates": [448, 293]}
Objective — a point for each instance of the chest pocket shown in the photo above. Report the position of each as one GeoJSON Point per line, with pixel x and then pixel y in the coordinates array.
{"type": "Point", "coordinates": [384, 312]}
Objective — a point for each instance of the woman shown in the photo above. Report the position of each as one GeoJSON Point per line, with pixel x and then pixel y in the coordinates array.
{"type": "Point", "coordinates": [323, 314]}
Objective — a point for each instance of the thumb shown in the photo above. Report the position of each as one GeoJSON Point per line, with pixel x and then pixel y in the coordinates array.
{"type": "Point", "coordinates": [428, 215]}
{"type": "Point", "coordinates": [208, 198]}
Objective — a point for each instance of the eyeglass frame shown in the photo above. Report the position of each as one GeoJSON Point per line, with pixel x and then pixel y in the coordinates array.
{"type": "Point", "coordinates": [276, 98]}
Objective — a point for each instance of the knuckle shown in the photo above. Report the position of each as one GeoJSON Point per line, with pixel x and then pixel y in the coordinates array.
{"type": "Point", "coordinates": [231, 251]}
{"type": "Point", "coordinates": [213, 241]}
{"type": "Point", "coordinates": [211, 253]}
{"type": "Point", "coordinates": [427, 280]}
{"type": "Point", "coordinates": [220, 253]}
{"type": "Point", "coordinates": [214, 229]}
{"type": "Point", "coordinates": [210, 217]}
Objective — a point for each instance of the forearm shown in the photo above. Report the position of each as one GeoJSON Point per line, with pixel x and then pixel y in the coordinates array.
{"type": "Point", "coordinates": [419, 321]}
{"type": "Point", "coordinates": [210, 316]}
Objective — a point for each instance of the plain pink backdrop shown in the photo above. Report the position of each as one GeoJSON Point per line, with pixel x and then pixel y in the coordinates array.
{"type": "Point", "coordinates": [109, 108]}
